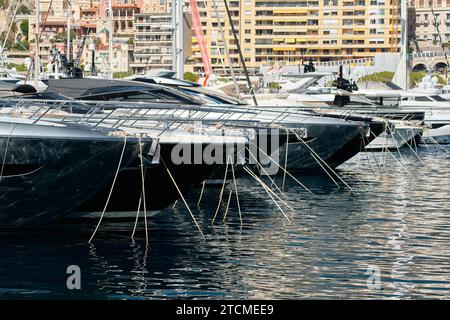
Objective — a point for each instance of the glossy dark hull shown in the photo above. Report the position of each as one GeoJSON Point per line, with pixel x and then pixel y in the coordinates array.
{"type": "Point", "coordinates": [160, 191]}
{"type": "Point", "coordinates": [323, 140]}
{"type": "Point", "coordinates": [356, 145]}
{"type": "Point", "coordinates": [46, 178]}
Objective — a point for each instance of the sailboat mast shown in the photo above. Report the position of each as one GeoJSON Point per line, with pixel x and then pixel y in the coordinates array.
{"type": "Point", "coordinates": [180, 39]}
{"type": "Point", "coordinates": [401, 73]}
{"type": "Point", "coordinates": [174, 35]}
{"type": "Point", "coordinates": [110, 38]}
{"type": "Point", "coordinates": [404, 38]}
{"type": "Point", "coordinates": [69, 18]}
{"type": "Point", "coordinates": [36, 47]}
{"type": "Point", "coordinates": [241, 56]}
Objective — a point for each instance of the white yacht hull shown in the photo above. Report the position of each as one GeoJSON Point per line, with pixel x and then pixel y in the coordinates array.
{"type": "Point", "coordinates": [440, 135]}
{"type": "Point", "coordinates": [395, 139]}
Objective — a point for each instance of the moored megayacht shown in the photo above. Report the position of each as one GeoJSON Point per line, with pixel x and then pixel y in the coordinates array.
{"type": "Point", "coordinates": [48, 168]}
{"type": "Point", "coordinates": [314, 138]}
{"type": "Point", "coordinates": [172, 174]}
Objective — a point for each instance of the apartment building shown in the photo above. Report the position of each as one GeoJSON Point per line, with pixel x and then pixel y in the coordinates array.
{"type": "Point", "coordinates": [53, 26]}
{"type": "Point", "coordinates": [152, 42]}
{"type": "Point", "coordinates": [123, 15]}
{"type": "Point", "coordinates": [424, 16]}
{"type": "Point", "coordinates": [101, 60]}
{"type": "Point", "coordinates": [89, 15]}
{"type": "Point", "coordinates": [289, 31]}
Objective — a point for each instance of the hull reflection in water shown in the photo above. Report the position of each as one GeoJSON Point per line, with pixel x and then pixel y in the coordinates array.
{"type": "Point", "coordinates": [397, 223]}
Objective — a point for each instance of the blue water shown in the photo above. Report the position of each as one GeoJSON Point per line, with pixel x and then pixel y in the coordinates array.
{"type": "Point", "coordinates": [396, 222]}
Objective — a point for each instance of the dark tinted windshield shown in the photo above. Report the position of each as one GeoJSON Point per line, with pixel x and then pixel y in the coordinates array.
{"type": "Point", "coordinates": [46, 96]}
{"type": "Point", "coordinates": [211, 97]}
{"type": "Point", "coordinates": [438, 98]}
{"type": "Point", "coordinates": [138, 94]}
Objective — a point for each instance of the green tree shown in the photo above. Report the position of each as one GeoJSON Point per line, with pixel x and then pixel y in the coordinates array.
{"type": "Point", "coordinates": [23, 9]}
{"type": "Point", "coordinates": [4, 4]}
{"type": "Point", "coordinates": [19, 67]}
{"type": "Point", "coordinates": [21, 45]}
{"type": "Point", "coordinates": [274, 85]}
{"type": "Point", "coordinates": [415, 77]}
{"type": "Point", "coordinates": [441, 80]}
{"type": "Point", "coordinates": [62, 36]}
{"type": "Point", "coordinates": [190, 76]}
{"type": "Point", "coordinates": [9, 41]}
{"type": "Point", "coordinates": [24, 28]}
{"type": "Point", "coordinates": [120, 75]}
{"type": "Point", "coordinates": [384, 76]}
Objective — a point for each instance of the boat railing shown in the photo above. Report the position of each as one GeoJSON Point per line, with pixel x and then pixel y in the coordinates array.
{"type": "Point", "coordinates": [117, 113]}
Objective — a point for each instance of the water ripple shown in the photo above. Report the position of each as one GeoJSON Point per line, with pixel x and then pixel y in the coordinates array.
{"type": "Point", "coordinates": [393, 220]}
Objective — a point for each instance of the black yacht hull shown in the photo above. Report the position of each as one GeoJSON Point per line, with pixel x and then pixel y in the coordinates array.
{"type": "Point", "coordinates": [320, 144]}
{"type": "Point", "coordinates": [45, 178]}
{"type": "Point", "coordinates": [160, 190]}
{"type": "Point", "coordinates": [356, 145]}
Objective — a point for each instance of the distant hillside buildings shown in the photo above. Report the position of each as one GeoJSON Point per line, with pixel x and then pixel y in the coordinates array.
{"type": "Point", "coordinates": [269, 31]}
{"type": "Point", "coordinates": [423, 23]}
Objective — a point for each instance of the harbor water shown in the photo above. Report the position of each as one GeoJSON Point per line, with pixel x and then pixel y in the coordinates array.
{"type": "Point", "coordinates": [393, 225]}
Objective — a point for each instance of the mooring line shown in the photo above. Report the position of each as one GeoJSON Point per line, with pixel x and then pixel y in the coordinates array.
{"type": "Point", "coordinates": [373, 156]}
{"type": "Point", "coordinates": [400, 154]}
{"type": "Point", "coordinates": [182, 198]}
{"type": "Point", "coordinates": [415, 153]}
{"type": "Point", "coordinates": [390, 153]}
{"type": "Point", "coordinates": [273, 183]}
{"type": "Point", "coordinates": [228, 205]}
{"type": "Point", "coordinates": [382, 157]}
{"type": "Point", "coordinates": [221, 192]}
{"type": "Point", "coordinates": [287, 172]}
{"type": "Point", "coordinates": [111, 190]}
{"type": "Point", "coordinates": [268, 176]}
{"type": "Point", "coordinates": [438, 145]}
{"type": "Point", "coordinates": [370, 164]}
{"type": "Point", "coordinates": [137, 217]}
{"type": "Point", "coordinates": [325, 170]}
{"type": "Point", "coordinates": [397, 160]}
{"type": "Point", "coordinates": [267, 189]}
{"type": "Point", "coordinates": [201, 193]}
{"type": "Point", "coordinates": [285, 160]}
{"type": "Point", "coordinates": [143, 190]}
{"type": "Point", "coordinates": [237, 195]}
{"type": "Point", "coordinates": [323, 161]}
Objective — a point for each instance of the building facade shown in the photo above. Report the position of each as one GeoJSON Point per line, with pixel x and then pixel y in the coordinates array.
{"type": "Point", "coordinates": [290, 31]}
{"type": "Point", "coordinates": [424, 16]}
{"type": "Point", "coordinates": [152, 42]}
{"type": "Point", "coordinates": [152, 48]}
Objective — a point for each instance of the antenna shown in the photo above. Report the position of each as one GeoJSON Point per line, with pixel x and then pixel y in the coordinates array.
{"type": "Point", "coordinates": [238, 46]}
{"type": "Point", "coordinates": [69, 18]}
{"type": "Point", "coordinates": [436, 25]}
{"type": "Point", "coordinates": [36, 47]}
